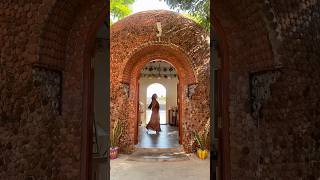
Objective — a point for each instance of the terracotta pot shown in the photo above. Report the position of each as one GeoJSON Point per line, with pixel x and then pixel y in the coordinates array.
{"type": "Point", "coordinates": [202, 154]}
{"type": "Point", "coordinates": [114, 152]}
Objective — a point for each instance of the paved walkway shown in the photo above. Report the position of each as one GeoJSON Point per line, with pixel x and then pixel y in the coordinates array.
{"type": "Point", "coordinates": [159, 157]}
{"type": "Point", "coordinates": [192, 169]}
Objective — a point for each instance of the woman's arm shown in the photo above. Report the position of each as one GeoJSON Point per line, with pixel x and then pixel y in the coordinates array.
{"type": "Point", "coordinates": [150, 106]}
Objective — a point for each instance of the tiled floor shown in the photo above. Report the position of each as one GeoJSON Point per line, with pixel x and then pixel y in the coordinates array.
{"type": "Point", "coordinates": [167, 138]}
{"type": "Point", "coordinates": [159, 157]}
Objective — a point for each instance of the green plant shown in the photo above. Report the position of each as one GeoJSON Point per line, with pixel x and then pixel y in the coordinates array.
{"type": "Point", "coordinates": [202, 138]}
{"type": "Point", "coordinates": [120, 9]}
{"type": "Point", "coordinates": [198, 10]}
{"type": "Point", "coordinates": [116, 134]}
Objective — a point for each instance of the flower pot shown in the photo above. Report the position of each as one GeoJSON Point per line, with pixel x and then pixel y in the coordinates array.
{"type": "Point", "coordinates": [202, 154]}
{"type": "Point", "coordinates": [114, 152]}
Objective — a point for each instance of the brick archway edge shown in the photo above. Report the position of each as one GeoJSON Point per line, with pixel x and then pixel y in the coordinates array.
{"type": "Point", "coordinates": [157, 50]}
{"type": "Point", "coordinates": [176, 57]}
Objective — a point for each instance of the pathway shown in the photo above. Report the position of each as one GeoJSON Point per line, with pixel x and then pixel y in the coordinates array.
{"type": "Point", "coordinates": [159, 157]}
{"type": "Point", "coordinates": [192, 169]}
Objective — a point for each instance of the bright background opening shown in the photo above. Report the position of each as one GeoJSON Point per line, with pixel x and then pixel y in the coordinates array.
{"type": "Point", "coordinates": [161, 91]}
{"type": "Point", "coordinates": [144, 5]}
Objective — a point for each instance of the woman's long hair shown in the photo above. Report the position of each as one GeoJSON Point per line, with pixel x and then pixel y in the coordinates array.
{"type": "Point", "coordinates": [153, 98]}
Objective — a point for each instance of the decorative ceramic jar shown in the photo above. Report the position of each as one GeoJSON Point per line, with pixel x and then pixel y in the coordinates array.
{"type": "Point", "coordinates": [202, 154]}
{"type": "Point", "coordinates": [114, 152]}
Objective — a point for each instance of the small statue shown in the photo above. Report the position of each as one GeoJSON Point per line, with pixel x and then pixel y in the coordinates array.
{"type": "Point", "coordinates": [159, 28]}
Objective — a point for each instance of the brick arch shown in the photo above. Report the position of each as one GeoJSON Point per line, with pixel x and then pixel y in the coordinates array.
{"type": "Point", "coordinates": [184, 44]}
{"type": "Point", "coordinates": [246, 44]}
{"type": "Point", "coordinates": [236, 30]}
{"type": "Point", "coordinates": [67, 24]}
{"type": "Point", "coordinates": [151, 51]}
{"type": "Point", "coordinates": [55, 32]}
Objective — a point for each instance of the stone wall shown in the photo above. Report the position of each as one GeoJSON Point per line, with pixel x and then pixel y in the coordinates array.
{"type": "Point", "coordinates": [131, 40]}
{"type": "Point", "coordinates": [28, 114]}
{"type": "Point", "coordinates": [38, 143]}
{"type": "Point", "coordinates": [38, 139]}
{"type": "Point", "coordinates": [267, 36]}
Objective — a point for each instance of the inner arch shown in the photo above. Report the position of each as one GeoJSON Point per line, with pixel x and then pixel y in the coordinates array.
{"type": "Point", "coordinates": [169, 52]}
{"type": "Point", "coordinates": [161, 91]}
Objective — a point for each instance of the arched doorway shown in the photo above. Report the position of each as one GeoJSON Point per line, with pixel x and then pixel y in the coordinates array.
{"type": "Point", "coordinates": [158, 77]}
{"type": "Point", "coordinates": [245, 26]}
{"type": "Point", "coordinates": [129, 54]}
{"type": "Point", "coordinates": [191, 65]}
{"type": "Point", "coordinates": [161, 91]}
{"type": "Point", "coordinates": [174, 56]}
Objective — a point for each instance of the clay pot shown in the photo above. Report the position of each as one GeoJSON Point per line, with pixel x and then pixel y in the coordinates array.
{"type": "Point", "coordinates": [114, 152]}
{"type": "Point", "coordinates": [202, 154]}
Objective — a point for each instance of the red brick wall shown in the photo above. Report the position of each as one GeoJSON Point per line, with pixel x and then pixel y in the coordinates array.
{"type": "Point", "coordinates": [134, 43]}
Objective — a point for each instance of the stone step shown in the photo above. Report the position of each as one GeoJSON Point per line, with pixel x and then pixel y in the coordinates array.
{"type": "Point", "coordinates": [158, 154]}
{"type": "Point", "coordinates": [174, 149]}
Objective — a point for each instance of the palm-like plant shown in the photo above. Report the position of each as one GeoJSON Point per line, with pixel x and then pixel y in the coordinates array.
{"type": "Point", "coordinates": [116, 134]}
{"type": "Point", "coordinates": [202, 138]}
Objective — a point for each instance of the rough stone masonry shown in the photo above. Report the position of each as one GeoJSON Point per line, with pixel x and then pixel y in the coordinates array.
{"type": "Point", "coordinates": [183, 43]}
{"type": "Point", "coordinates": [256, 36]}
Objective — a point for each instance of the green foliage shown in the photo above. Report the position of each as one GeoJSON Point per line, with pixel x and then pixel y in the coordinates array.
{"type": "Point", "coordinates": [199, 10]}
{"type": "Point", "coordinates": [202, 138]}
{"type": "Point", "coordinates": [119, 9]}
{"type": "Point", "coordinates": [194, 18]}
{"type": "Point", "coordinates": [116, 134]}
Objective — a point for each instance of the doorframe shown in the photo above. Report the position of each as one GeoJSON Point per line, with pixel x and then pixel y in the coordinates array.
{"type": "Point", "coordinates": [86, 124]}
{"type": "Point", "coordinates": [136, 101]}
{"type": "Point", "coordinates": [136, 139]}
{"type": "Point", "coordinates": [222, 98]}
{"type": "Point", "coordinates": [88, 94]}
{"type": "Point", "coordinates": [179, 103]}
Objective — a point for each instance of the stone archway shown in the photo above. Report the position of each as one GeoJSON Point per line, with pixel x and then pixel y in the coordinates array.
{"type": "Point", "coordinates": [80, 43]}
{"type": "Point", "coordinates": [169, 53]}
{"type": "Point", "coordinates": [246, 45]}
{"type": "Point", "coordinates": [75, 47]}
{"type": "Point", "coordinates": [248, 31]}
{"type": "Point", "coordinates": [134, 43]}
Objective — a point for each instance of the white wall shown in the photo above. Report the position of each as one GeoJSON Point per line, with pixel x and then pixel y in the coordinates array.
{"type": "Point", "coordinates": [169, 84]}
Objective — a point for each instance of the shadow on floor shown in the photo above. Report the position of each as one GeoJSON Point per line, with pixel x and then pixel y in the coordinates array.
{"type": "Point", "coordinates": [167, 138]}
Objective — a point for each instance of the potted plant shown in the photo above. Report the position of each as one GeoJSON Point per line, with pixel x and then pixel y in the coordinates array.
{"type": "Point", "coordinates": [201, 139]}
{"type": "Point", "coordinates": [115, 139]}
